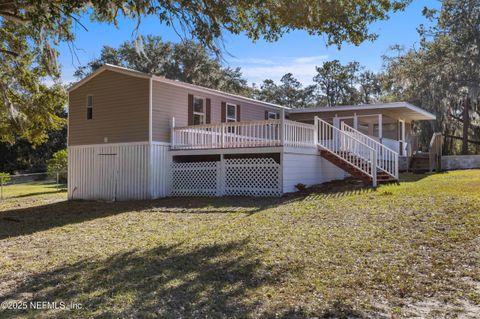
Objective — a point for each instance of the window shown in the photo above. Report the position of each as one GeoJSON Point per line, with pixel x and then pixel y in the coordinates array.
{"type": "Point", "coordinates": [231, 113]}
{"type": "Point", "coordinates": [89, 107]}
{"type": "Point", "coordinates": [198, 110]}
{"type": "Point", "coordinates": [271, 116]}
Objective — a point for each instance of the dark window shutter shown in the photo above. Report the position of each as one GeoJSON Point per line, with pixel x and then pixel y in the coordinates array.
{"type": "Point", "coordinates": [266, 115]}
{"type": "Point", "coordinates": [278, 115]}
{"type": "Point", "coordinates": [190, 109]}
{"type": "Point", "coordinates": [238, 112]}
{"type": "Point", "coordinates": [224, 112]}
{"type": "Point", "coordinates": [208, 111]}
{"type": "Point", "coordinates": [287, 116]}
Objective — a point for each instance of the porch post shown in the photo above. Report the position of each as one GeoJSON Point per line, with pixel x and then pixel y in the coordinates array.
{"type": "Point", "coordinates": [222, 135]}
{"type": "Point", "coordinates": [172, 133]}
{"type": "Point", "coordinates": [401, 144]}
{"type": "Point", "coordinates": [282, 127]}
{"type": "Point", "coordinates": [355, 121]}
{"type": "Point", "coordinates": [380, 126]}
{"type": "Point", "coordinates": [336, 121]}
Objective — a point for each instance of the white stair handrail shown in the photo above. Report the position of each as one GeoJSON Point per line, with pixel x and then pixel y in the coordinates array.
{"type": "Point", "coordinates": [387, 159]}
{"type": "Point", "coordinates": [348, 148]}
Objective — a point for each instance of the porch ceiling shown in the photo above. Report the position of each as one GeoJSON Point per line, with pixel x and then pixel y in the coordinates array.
{"type": "Point", "coordinates": [398, 110]}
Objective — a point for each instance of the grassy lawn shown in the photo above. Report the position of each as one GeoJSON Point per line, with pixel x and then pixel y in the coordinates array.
{"type": "Point", "coordinates": [31, 188]}
{"type": "Point", "coordinates": [337, 251]}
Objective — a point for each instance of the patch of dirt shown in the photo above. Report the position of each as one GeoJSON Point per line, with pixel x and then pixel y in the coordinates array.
{"type": "Point", "coordinates": [432, 308]}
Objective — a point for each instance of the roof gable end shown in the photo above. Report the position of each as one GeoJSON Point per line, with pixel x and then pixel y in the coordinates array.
{"type": "Point", "coordinates": [108, 67]}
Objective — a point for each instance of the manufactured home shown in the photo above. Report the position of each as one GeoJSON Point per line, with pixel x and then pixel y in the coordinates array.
{"type": "Point", "coordinates": [133, 135]}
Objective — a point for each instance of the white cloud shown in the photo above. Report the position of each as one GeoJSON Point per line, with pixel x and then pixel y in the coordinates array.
{"type": "Point", "coordinates": [302, 67]}
{"type": "Point", "coordinates": [311, 59]}
{"type": "Point", "coordinates": [252, 61]}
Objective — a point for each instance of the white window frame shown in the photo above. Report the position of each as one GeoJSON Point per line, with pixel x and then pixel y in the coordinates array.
{"type": "Point", "coordinates": [231, 119]}
{"type": "Point", "coordinates": [203, 115]}
{"type": "Point", "coordinates": [271, 113]}
{"type": "Point", "coordinates": [90, 106]}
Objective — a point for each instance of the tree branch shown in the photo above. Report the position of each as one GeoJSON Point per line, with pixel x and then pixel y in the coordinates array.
{"type": "Point", "coordinates": [460, 138]}
{"type": "Point", "coordinates": [12, 17]}
{"type": "Point", "coordinates": [15, 54]}
{"type": "Point", "coordinates": [461, 120]}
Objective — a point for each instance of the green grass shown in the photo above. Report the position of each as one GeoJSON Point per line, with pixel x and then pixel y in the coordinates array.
{"type": "Point", "coordinates": [336, 251]}
{"type": "Point", "coordinates": [31, 189]}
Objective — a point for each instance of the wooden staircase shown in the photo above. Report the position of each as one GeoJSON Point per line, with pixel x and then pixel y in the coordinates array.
{"type": "Point", "coordinates": [356, 153]}
{"type": "Point", "coordinates": [420, 163]}
{"type": "Point", "coordinates": [432, 160]}
{"type": "Point", "coordinates": [382, 177]}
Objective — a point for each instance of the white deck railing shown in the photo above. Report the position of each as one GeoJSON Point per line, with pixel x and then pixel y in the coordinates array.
{"type": "Point", "coordinates": [346, 147]}
{"type": "Point", "coordinates": [387, 159]}
{"type": "Point", "coordinates": [244, 134]}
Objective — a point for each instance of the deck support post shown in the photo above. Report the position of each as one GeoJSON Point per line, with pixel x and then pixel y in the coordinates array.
{"type": "Point", "coordinates": [355, 121]}
{"type": "Point", "coordinates": [221, 177]}
{"type": "Point", "coordinates": [315, 131]}
{"type": "Point", "coordinates": [374, 167]}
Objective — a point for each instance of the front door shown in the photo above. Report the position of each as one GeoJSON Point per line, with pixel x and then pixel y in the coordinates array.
{"type": "Point", "coordinates": [106, 176]}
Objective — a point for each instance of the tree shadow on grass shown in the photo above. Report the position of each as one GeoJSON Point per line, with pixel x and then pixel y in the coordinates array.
{"type": "Point", "coordinates": [24, 221]}
{"type": "Point", "coordinates": [337, 310]}
{"type": "Point", "coordinates": [334, 189]}
{"type": "Point", "coordinates": [53, 191]}
{"type": "Point", "coordinates": [411, 177]}
{"type": "Point", "coordinates": [167, 281]}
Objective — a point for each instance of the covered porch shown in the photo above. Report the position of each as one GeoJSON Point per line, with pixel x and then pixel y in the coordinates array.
{"type": "Point", "coordinates": [389, 123]}
{"type": "Point", "coordinates": [391, 132]}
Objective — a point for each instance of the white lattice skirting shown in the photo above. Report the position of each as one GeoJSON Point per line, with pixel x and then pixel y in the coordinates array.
{"type": "Point", "coordinates": [195, 179]}
{"type": "Point", "coordinates": [237, 177]}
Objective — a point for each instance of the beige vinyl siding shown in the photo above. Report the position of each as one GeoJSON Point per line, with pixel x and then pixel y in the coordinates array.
{"type": "Point", "coordinates": [172, 101]}
{"type": "Point", "coordinates": [120, 110]}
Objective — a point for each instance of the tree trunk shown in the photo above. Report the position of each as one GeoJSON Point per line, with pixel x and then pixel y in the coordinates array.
{"type": "Point", "coordinates": [466, 122]}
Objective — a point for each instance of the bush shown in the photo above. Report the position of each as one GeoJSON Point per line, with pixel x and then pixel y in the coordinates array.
{"type": "Point", "coordinates": [5, 178]}
{"type": "Point", "coordinates": [301, 187]}
{"type": "Point", "coordinates": [58, 164]}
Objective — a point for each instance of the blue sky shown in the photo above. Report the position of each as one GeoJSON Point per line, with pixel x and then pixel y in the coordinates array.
{"type": "Point", "coordinates": [296, 52]}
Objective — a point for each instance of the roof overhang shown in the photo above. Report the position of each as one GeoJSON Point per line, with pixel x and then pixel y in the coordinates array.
{"type": "Point", "coordinates": [402, 110]}
{"type": "Point", "coordinates": [201, 89]}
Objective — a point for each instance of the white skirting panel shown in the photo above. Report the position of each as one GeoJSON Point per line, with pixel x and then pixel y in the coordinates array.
{"type": "Point", "coordinates": [117, 171]}
{"type": "Point", "coordinates": [160, 170]}
{"type": "Point", "coordinates": [308, 170]}
{"type": "Point", "coordinates": [81, 175]}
